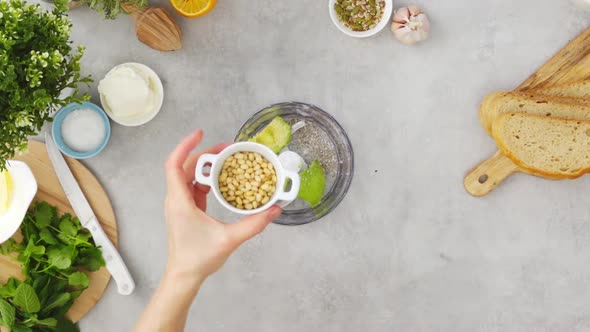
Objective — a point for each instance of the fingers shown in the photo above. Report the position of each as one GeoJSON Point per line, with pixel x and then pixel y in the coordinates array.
{"type": "Point", "coordinates": [250, 226]}
{"type": "Point", "coordinates": [200, 196]}
{"type": "Point", "coordinates": [175, 164]}
{"type": "Point", "coordinates": [199, 191]}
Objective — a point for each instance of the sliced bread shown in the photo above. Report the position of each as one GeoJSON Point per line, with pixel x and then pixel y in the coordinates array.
{"type": "Point", "coordinates": [579, 89]}
{"type": "Point", "coordinates": [517, 102]}
{"type": "Point", "coordinates": [548, 147]}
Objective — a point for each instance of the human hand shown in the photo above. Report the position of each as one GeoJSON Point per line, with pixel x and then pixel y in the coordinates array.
{"type": "Point", "coordinates": [198, 245]}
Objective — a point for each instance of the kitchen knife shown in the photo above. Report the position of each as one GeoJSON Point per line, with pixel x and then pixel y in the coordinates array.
{"type": "Point", "coordinates": [114, 262]}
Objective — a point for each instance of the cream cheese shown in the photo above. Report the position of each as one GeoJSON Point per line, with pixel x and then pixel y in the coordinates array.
{"type": "Point", "coordinates": [129, 92]}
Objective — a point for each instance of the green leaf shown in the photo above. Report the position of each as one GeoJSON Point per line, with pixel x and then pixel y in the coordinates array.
{"type": "Point", "coordinates": [9, 289]}
{"type": "Point", "coordinates": [67, 227]}
{"type": "Point", "coordinates": [83, 237]}
{"type": "Point", "coordinates": [46, 236]}
{"type": "Point", "coordinates": [91, 259]}
{"type": "Point", "coordinates": [65, 325]}
{"type": "Point", "coordinates": [79, 279]}
{"type": "Point", "coordinates": [59, 259]}
{"type": "Point", "coordinates": [26, 299]}
{"type": "Point", "coordinates": [37, 250]}
{"type": "Point", "coordinates": [59, 301]}
{"type": "Point", "coordinates": [21, 328]}
{"type": "Point", "coordinates": [8, 247]}
{"type": "Point", "coordinates": [7, 312]}
{"type": "Point", "coordinates": [43, 215]}
{"type": "Point", "coordinates": [49, 322]}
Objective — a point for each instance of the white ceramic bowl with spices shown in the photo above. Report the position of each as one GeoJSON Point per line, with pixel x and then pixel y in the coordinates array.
{"type": "Point", "coordinates": [215, 163]}
{"type": "Point", "coordinates": [383, 22]}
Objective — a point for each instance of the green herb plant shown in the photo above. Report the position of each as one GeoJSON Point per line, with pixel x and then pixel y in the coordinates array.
{"type": "Point", "coordinates": [109, 8]}
{"type": "Point", "coordinates": [37, 63]}
{"type": "Point", "coordinates": [54, 253]}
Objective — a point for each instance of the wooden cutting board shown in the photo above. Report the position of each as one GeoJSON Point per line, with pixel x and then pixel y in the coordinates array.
{"type": "Point", "coordinates": [572, 63]}
{"type": "Point", "coordinates": [50, 191]}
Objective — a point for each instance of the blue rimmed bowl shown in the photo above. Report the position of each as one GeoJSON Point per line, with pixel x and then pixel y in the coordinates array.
{"type": "Point", "coordinates": [57, 136]}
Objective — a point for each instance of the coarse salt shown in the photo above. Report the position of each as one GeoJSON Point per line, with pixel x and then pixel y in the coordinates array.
{"type": "Point", "coordinates": [83, 130]}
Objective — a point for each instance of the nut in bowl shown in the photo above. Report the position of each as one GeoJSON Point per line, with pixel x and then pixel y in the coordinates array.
{"type": "Point", "coordinates": [360, 18]}
{"type": "Point", "coordinates": [247, 178]}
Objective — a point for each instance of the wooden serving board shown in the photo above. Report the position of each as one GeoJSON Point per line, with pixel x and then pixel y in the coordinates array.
{"type": "Point", "coordinates": [50, 191]}
{"type": "Point", "coordinates": [572, 63]}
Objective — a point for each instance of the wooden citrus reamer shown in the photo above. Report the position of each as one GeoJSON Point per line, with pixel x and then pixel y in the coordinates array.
{"type": "Point", "coordinates": [155, 27]}
{"type": "Point", "coordinates": [572, 63]}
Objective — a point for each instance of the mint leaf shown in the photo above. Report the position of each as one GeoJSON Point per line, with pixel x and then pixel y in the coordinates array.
{"type": "Point", "coordinates": [7, 312]}
{"type": "Point", "coordinates": [27, 299]}
{"type": "Point", "coordinates": [49, 322]}
{"type": "Point", "coordinates": [9, 289]}
{"type": "Point", "coordinates": [21, 328]}
{"type": "Point", "coordinates": [57, 302]}
{"type": "Point", "coordinates": [59, 259]}
{"type": "Point", "coordinates": [78, 279]}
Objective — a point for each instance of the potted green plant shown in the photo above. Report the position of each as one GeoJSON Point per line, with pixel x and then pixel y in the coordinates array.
{"type": "Point", "coordinates": [37, 63]}
{"type": "Point", "coordinates": [109, 8]}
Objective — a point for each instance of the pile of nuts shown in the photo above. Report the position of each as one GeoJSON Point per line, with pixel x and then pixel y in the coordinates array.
{"type": "Point", "coordinates": [247, 180]}
{"type": "Point", "coordinates": [360, 15]}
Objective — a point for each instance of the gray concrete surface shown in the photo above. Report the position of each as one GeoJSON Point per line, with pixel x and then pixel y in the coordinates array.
{"type": "Point", "coordinates": [408, 249]}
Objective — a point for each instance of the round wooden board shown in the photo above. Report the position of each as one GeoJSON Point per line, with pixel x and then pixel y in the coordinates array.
{"type": "Point", "coordinates": [50, 191]}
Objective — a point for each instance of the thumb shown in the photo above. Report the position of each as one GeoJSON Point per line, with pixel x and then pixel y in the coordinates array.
{"type": "Point", "coordinates": [253, 225]}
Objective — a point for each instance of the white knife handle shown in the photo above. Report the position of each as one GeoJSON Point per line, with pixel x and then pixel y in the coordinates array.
{"type": "Point", "coordinates": [114, 262]}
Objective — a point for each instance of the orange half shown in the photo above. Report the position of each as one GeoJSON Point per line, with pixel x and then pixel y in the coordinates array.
{"type": "Point", "coordinates": [193, 8]}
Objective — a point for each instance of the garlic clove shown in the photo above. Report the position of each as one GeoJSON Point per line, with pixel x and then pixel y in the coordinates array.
{"type": "Point", "coordinates": [410, 25]}
{"type": "Point", "coordinates": [414, 11]}
{"type": "Point", "coordinates": [402, 15]}
{"type": "Point", "coordinates": [405, 35]}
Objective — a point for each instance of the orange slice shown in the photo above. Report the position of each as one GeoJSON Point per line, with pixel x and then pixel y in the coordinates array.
{"type": "Point", "coordinates": [193, 8]}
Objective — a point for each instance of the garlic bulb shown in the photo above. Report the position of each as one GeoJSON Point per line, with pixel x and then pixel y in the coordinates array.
{"type": "Point", "coordinates": [410, 25]}
{"type": "Point", "coordinates": [584, 4]}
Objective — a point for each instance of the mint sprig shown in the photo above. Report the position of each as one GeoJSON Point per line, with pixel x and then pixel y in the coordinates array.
{"type": "Point", "coordinates": [55, 253]}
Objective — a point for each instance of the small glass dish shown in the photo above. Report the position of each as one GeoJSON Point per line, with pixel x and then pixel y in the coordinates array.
{"type": "Point", "coordinates": [57, 135]}
{"type": "Point", "coordinates": [321, 138]}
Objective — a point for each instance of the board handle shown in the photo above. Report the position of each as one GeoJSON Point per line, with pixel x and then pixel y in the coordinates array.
{"type": "Point", "coordinates": [488, 175]}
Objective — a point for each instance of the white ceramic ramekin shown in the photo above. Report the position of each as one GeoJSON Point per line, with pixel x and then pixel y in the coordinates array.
{"type": "Point", "coordinates": [385, 21]}
{"type": "Point", "coordinates": [215, 161]}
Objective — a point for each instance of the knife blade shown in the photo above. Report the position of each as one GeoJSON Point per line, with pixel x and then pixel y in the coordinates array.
{"type": "Point", "coordinates": [81, 207]}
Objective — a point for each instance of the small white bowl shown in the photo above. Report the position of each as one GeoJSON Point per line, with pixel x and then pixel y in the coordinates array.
{"type": "Point", "coordinates": [216, 163]}
{"type": "Point", "coordinates": [145, 117]}
{"type": "Point", "coordinates": [385, 20]}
